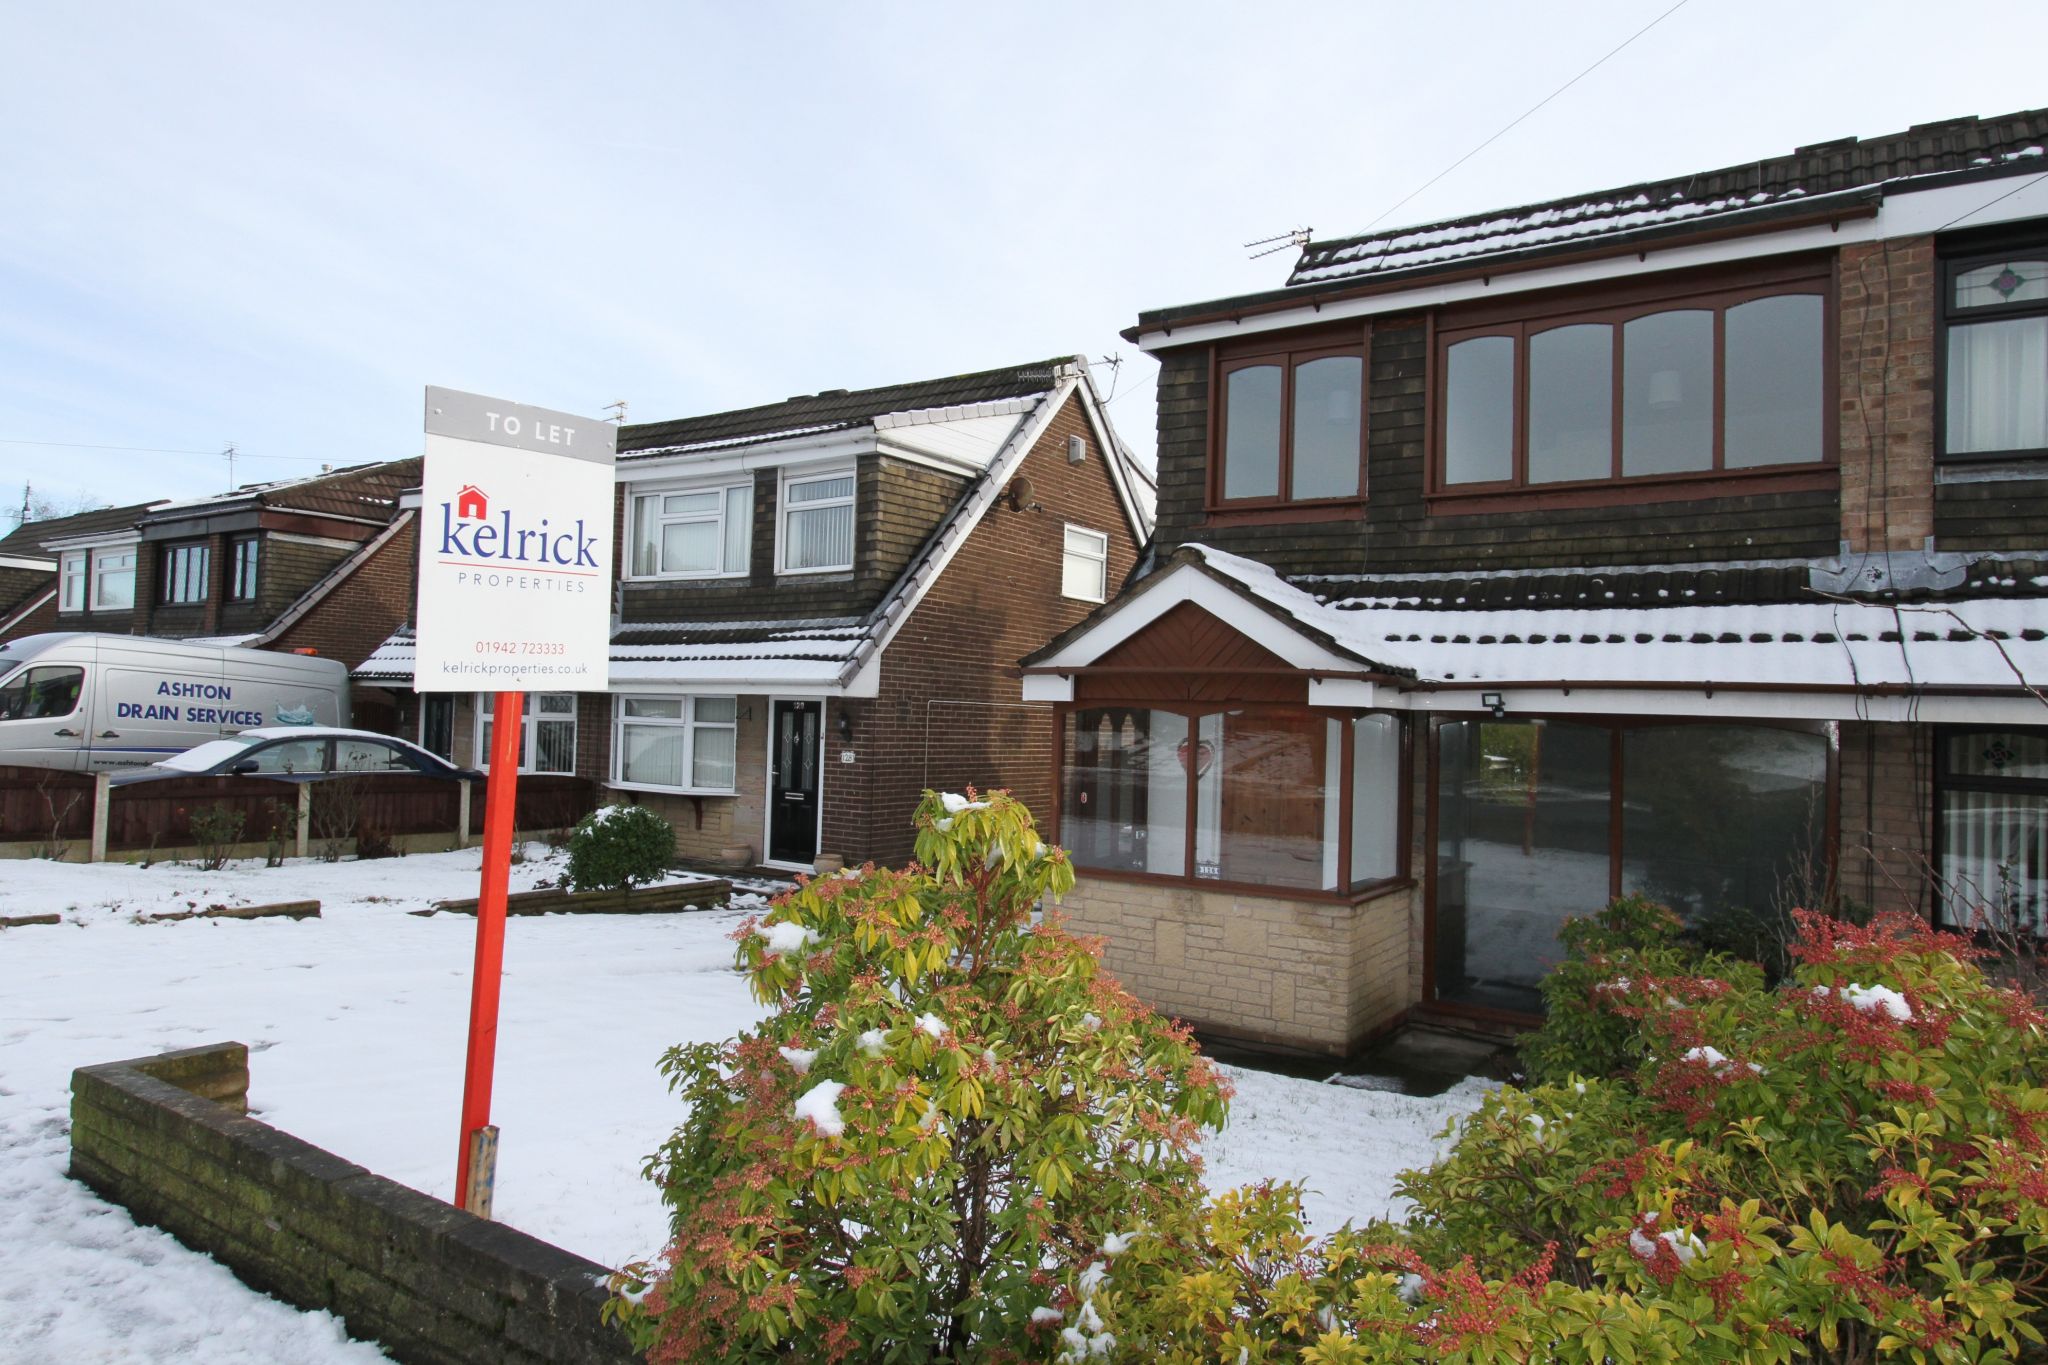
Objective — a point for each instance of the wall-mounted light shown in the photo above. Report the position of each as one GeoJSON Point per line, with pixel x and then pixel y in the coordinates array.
{"type": "Point", "coordinates": [1077, 449]}
{"type": "Point", "coordinates": [845, 723]}
{"type": "Point", "coordinates": [1492, 702]}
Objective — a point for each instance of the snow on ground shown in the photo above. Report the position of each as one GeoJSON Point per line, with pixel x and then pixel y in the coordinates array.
{"type": "Point", "coordinates": [356, 1025]}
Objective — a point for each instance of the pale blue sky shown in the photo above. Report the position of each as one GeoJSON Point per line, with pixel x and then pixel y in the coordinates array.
{"type": "Point", "coordinates": [273, 224]}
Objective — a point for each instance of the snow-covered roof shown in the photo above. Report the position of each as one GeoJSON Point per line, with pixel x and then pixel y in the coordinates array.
{"type": "Point", "coordinates": [1961, 643]}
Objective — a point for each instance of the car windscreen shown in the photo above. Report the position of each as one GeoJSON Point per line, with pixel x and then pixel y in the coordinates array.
{"type": "Point", "coordinates": [208, 755]}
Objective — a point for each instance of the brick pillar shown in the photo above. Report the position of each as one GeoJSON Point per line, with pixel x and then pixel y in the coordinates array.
{"type": "Point", "coordinates": [1887, 816]}
{"type": "Point", "coordinates": [1887, 394]}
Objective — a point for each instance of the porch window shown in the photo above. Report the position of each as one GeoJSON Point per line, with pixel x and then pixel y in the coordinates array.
{"type": "Point", "coordinates": [1993, 821]}
{"type": "Point", "coordinates": [71, 573]}
{"type": "Point", "coordinates": [1680, 385]}
{"type": "Point", "coordinates": [1292, 425]}
{"type": "Point", "coordinates": [1532, 828]}
{"type": "Point", "coordinates": [677, 743]}
{"type": "Point", "coordinates": [693, 532]}
{"type": "Point", "coordinates": [817, 521]}
{"type": "Point", "coordinates": [547, 732]}
{"type": "Point", "coordinates": [1995, 312]}
{"type": "Point", "coordinates": [1253, 795]}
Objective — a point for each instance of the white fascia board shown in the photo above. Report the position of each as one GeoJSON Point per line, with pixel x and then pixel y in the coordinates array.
{"type": "Point", "coordinates": [712, 464]}
{"type": "Point", "coordinates": [1904, 212]}
{"type": "Point", "coordinates": [97, 541]}
{"type": "Point", "coordinates": [1048, 687]}
{"type": "Point", "coordinates": [25, 562]}
{"type": "Point", "coordinates": [1139, 510]}
{"type": "Point", "coordinates": [28, 610]}
{"type": "Point", "coordinates": [1520, 702]}
{"type": "Point", "coordinates": [945, 464]}
{"type": "Point", "coordinates": [1346, 692]}
{"type": "Point", "coordinates": [1186, 583]}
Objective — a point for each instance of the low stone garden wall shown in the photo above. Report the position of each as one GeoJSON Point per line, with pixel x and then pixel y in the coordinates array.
{"type": "Point", "coordinates": [169, 1138]}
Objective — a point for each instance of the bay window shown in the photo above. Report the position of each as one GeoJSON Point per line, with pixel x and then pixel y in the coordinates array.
{"type": "Point", "coordinates": [816, 522]}
{"type": "Point", "coordinates": [685, 744]}
{"type": "Point", "coordinates": [1992, 799]}
{"type": "Point", "coordinates": [693, 532]}
{"type": "Point", "coordinates": [547, 732]}
{"type": "Point", "coordinates": [1243, 796]}
{"type": "Point", "coordinates": [1718, 382]}
{"type": "Point", "coordinates": [1995, 314]}
{"type": "Point", "coordinates": [1291, 425]}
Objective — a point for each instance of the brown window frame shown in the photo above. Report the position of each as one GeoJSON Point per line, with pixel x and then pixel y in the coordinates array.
{"type": "Point", "coordinates": [237, 547]}
{"type": "Point", "coordinates": [168, 578]}
{"type": "Point", "coordinates": [1977, 251]}
{"type": "Point", "coordinates": [1615, 724]}
{"type": "Point", "coordinates": [1525, 318]}
{"type": "Point", "coordinates": [1348, 891]}
{"type": "Point", "coordinates": [1290, 352]}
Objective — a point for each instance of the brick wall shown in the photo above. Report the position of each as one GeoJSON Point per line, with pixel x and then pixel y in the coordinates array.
{"type": "Point", "coordinates": [1316, 976]}
{"type": "Point", "coordinates": [948, 712]}
{"type": "Point", "coordinates": [360, 613]}
{"type": "Point", "coordinates": [1887, 815]}
{"type": "Point", "coordinates": [168, 1138]}
{"type": "Point", "coordinates": [1887, 393]}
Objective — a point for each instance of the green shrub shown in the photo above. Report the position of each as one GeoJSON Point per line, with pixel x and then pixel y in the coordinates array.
{"type": "Point", "coordinates": [216, 829]}
{"type": "Point", "coordinates": [616, 846]}
{"type": "Point", "coordinates": [1582, 1034]}
{"type": "Point", "coordinates": [1853, 1167]}
{"type": "Point", "coordinates": [952, 1122]}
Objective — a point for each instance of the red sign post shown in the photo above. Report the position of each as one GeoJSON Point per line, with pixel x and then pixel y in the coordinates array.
{"type": "Point", "coordinates": [501, 797]}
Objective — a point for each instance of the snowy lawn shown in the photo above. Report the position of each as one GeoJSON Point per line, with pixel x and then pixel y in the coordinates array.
{"type": "Point", "coordinates": [356, 1023]}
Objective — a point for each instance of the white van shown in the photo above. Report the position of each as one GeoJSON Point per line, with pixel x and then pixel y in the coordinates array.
{"type": "Point", "coordinates": [91, 701]}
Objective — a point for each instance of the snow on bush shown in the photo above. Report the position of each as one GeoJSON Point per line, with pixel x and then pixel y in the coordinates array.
{"type": "Point", "coordinates": [616, 847]}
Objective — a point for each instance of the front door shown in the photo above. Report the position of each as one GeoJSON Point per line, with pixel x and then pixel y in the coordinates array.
{"type": "Point", "coordinates": [793, 781]}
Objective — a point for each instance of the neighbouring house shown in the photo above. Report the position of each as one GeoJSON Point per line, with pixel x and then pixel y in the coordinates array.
{"type": "Point", "coordinates": [820, 604]}
{"type": "Point", "coordinates": [1688, 538]}
{"type": "Point", "coordinates": [318, 565]}
{"type": "Point", "coordinates": [98, 579]}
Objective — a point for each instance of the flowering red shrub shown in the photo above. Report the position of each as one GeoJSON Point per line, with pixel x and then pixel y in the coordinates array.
{"type": "Point", "coordinates": [1851, 1167]}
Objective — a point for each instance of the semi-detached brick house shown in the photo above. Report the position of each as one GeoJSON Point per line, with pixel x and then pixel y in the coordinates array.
{"type": "Point", "coordinates": [1688, 538]}
{"type": "Point", "coordinates": [321, 564]}
{"type": "Point", "coordinates": [820, 606]}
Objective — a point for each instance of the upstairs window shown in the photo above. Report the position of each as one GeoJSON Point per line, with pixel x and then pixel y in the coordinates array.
{"type": "Point", "coordinates": [1712, 383]}
{"type": "Point", "coordinates": [817, 521]}
{"type": "Point", "coordinates": [71, 580]}
{"type": "Point", "coordinates": [113, 579]}
{"type": "Point", "coordinates": [1995, 310]}
{"type": "Point", "coordinates": [1084, 565]}
{"type": "Point", "coordinates": [242, 570]}
{"type": "Point", "coordinates": [184, 581]}
{"type": "Point", "coordinates": [1292, 426]}
{"type": "Point", "coordinates": [693, 532]}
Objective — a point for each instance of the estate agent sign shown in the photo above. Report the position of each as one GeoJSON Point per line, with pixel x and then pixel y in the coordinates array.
{"type": "Point", "coordinates": [515, 548]}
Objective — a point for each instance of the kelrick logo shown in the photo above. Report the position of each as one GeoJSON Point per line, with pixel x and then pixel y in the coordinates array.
{"type": "Point", "coordinates": [468, 532]}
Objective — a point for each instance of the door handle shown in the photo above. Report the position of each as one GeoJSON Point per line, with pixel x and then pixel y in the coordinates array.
{"type": "Point", "coordinates": [109, 734]}
{"type": "Point", "coordinates": [67, 734]}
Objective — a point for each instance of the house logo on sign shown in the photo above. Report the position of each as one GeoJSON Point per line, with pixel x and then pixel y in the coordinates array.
{"type": "Point", "coordinates": [472, 504]}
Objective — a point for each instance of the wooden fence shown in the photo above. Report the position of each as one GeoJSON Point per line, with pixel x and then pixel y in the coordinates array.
{"type": "Point", "coordinates": [47, 807]}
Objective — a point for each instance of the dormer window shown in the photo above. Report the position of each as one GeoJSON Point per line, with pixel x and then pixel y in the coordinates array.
{"type": "Point", "coordinates": [1290, 425]}
{"type": "Point", "coordinates": [184, 576]}
{"type": "Point", "coordinates": [71, 576]}
{"type": "Point", "coordinates": [242, 573]}
{"type": "Point", "coordinates": [698, 532]}
{"type": "Point", "coordinates": [816, 524]}
{"type": "Point", "coordinates": [1995, 312]}
{"type": "Point", "coordinates": [113, 578]}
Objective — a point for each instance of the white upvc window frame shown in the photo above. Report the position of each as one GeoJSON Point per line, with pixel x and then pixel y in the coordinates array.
{"type": "Point", "coordinates": [74, 577]}
{"type": "Point", "coordinates": [1094, 551]}
{"type": "Point", "coordinates": [644, 502]}
{"type": "Point", "coordinates": [689, 723]}
{"type": "Point", "coordinates": [531, 717]}
{"type": "Point", "coordinates": [818, 473]}
{"type": "Point", "coordinates": [130, 550]}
